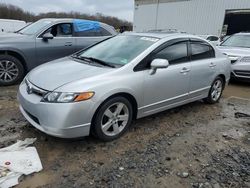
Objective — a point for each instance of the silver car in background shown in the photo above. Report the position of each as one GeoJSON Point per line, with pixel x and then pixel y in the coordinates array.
{"type": "Point", "coordinates": [237, 47]}
{"type": "Point", "coordinates": [46, 40]}
{"type": "Point", "coordinates": [102, 89]}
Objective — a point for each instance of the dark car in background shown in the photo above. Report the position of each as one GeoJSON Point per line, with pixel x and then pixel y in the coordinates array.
{"type": "Point", "coordinates": [46, 40]}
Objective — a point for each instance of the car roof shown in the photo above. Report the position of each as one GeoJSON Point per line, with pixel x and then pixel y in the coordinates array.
{"type": "Point", "coordinates": [162, 35]}
{"type": "Point", "coordinates": [55, 20]}
{"type": "Point", "coordinates": [243, 33]}
{"type": "Point", "coordinates": [60, 20]}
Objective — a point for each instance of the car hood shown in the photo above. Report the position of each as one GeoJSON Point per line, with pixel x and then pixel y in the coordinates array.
{"type": "Point", "coordinates": [235, 51]}
{"type": "Point", "coordinates": [55, 74]}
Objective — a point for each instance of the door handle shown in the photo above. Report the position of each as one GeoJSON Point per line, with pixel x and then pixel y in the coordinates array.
{"type": "Point", "coordinates": [212, 65]}
{"type": "Point", "coordinates": [68, 44]}
{"type": "Point", "coordinates": [185, 70]}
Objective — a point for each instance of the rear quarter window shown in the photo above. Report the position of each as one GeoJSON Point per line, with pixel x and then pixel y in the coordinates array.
{"type": "Point", "coordinates": [93, 33]}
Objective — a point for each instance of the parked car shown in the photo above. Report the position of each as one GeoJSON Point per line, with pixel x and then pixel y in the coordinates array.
{"type": "Point", "coordinates": [100, 91]}
{"type": "Point", "coordinates": [46, 40]}
{"type": "Point", "coordinates": [9, 25]}
{"type": "Point", "coordinates": [237, 47]}
{"type": "Point", "coordinates": [211, 38]}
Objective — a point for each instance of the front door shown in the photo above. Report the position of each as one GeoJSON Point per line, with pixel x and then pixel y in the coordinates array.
{"type": "Point", "coordinates": [168, 87]}
{"type": "Point", "coordinates": [60, 46]}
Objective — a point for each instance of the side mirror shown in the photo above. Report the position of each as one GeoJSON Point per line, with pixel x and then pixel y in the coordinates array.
{"type": "Point", "coordinates": [47, 36]}
{"type": "Point", "coordinates": [158, 64]}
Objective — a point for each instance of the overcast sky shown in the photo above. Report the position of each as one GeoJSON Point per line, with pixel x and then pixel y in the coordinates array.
{"type": "Point", "coordinates": [119, 8]}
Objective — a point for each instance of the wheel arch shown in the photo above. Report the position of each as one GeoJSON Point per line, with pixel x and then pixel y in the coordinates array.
{"type": "Point", "coordinates": [224, 79]}
{"type": "Point", "coordinates": [17, 55]}
{"type": "Point", "coordinates": [126, 95]}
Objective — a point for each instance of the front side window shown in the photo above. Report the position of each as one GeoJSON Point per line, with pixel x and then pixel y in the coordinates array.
{"type": "Point", "coordinates": [200, 50]}
{"type": "Point", "coordinates": [237, 41]}
{"type": "Point", "coordinates": [119, 50]}
{"type": "Point", "coordinates": [176, 53]}
{"type": "Point", "coordinates": [61, 30]}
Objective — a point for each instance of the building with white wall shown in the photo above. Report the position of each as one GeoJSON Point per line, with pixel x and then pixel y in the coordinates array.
{"type": "Point", "coordinates": [199, 17]}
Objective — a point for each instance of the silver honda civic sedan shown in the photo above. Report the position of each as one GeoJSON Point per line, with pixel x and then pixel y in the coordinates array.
{"type": "Point", "coordinates": [101, 89]}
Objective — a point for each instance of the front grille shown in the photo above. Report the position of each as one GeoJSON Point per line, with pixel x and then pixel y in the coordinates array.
{"type": "Point", "coordinates": [35, 119]}
{"type": "Point", "coordinates": [242, 73]}
{"type": "Point", "coordinates": [245, 60]}
{"type": "Point", "coordinates": [32, 89]}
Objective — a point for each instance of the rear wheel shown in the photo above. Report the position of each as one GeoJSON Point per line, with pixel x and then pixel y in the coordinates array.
{"type": "Point", "coordinates": [216, 90]}
{"type": "Point", "coordinates": [11, 70]}
{"type": "Point", "coordinates": [112, 119]}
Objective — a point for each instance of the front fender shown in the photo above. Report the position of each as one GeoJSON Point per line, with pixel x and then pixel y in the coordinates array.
{"type": "Point", "coordinates": [15, 50]}
{"type": "Point", "coordinates": [100, 99]}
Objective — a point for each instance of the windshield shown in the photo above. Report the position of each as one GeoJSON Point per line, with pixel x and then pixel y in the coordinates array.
{"type": "Point", "coordinates": [119, 50]}
{"type": "Point", "coordinates": [34, 27]}
{"type": "Point", "coordinates": [238, 41]}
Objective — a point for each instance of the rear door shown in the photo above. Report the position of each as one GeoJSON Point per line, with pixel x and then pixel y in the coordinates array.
{"type": "Point", "coordinates": [84, 39]}
{"type": "Point", "coordinates": [203, 65]}
{"type": "Point", "coordinates": [60, 46]}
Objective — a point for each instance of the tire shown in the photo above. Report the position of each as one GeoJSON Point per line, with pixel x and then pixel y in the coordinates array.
{"type": "Point", "coordinates": [215, 91]}
{"type": "Point", "coordinates": [11, 70]}
{"type": "Point", "coordinates": [108, 114]}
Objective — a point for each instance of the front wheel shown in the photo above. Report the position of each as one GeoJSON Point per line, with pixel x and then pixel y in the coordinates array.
{"type": "Point", "coordinates": [216, 90]}
{"type": "Point", "coordinates": [11, 70]}
{"type": "Point", "coordinates": [112, 119]}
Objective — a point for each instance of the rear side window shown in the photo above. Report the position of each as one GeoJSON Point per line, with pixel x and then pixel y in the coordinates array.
{"type": "Point", "coordinates": [93, 33]}
{"type": "Point", "coordinates": [200, 50]}
{"type": "Point", "coordinates": [176, 53]}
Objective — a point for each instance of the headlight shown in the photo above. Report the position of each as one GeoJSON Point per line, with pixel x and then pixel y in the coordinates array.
{"type": "Point", "coordinates": [58, 97]}
{"type": "Point", "coordinates": [233, 58]}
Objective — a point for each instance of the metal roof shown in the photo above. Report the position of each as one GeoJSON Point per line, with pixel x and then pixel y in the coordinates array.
{"type": "Point", "coordinates": [156, 1]}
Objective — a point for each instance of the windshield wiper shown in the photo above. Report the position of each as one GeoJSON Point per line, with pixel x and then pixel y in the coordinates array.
{"type": "Point", "coordinates": [81, 58]}
{"type": "Point", "coordinates": [88, 59]}
{"type": "Point", "coordinates": [100, 62]}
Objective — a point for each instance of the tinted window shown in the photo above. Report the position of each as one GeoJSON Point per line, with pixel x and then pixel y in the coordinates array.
{"type": "Point", "coordinates": [212, 38]}
{"type": "Point", "coordinates": [201, 51]}
{"type": "Point", "coordinates": [176, 53]}
{"type": "Point", "coordinates": [93, 33]}
{"type": "Point", "coordinates": [104, 32]}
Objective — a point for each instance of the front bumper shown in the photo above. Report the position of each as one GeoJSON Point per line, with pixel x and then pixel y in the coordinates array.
{"type": "Point", "coordinates": [69, 120]}
{"type": "Point", "coordinates": [240, 75]}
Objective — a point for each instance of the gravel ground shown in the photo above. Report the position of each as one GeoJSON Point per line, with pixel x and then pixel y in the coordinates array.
{"type": "Point", "coordinates": [196, 145]}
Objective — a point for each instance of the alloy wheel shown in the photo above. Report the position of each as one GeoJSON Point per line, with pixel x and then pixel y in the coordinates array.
{"type": "Point", "coordinates": [115, 119]}
{"type": "Point", "coordinates": [216, 90]}
{"type": "Point", "coordinates": [8, 71]}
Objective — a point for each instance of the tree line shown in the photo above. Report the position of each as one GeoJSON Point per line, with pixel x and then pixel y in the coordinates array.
{"type": "Point", "coordinates": [8, 11]}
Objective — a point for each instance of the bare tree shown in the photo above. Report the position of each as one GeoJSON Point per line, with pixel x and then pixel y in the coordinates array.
{"type": "Point", "coordinates": [8, 11]}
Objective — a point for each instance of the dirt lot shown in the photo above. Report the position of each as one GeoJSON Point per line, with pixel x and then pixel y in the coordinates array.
{"type": "Point", "coordinates": [196, 145]}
